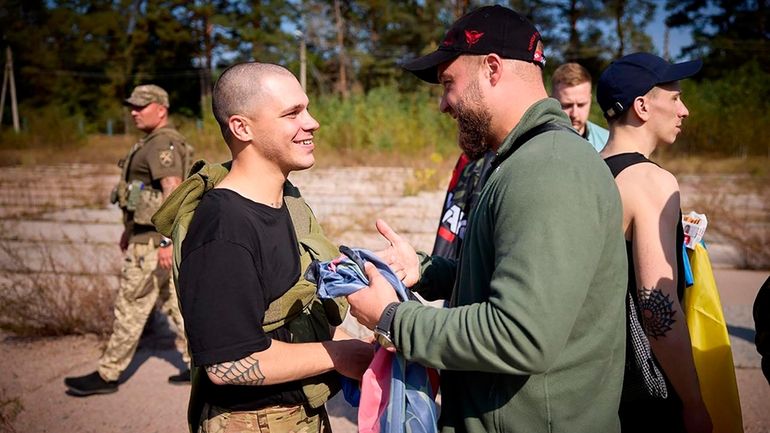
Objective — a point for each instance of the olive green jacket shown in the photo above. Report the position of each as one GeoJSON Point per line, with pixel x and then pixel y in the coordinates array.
{"type": "Point", "coordinates": [534, 340]}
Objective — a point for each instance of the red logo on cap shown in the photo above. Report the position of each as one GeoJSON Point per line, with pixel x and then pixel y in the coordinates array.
{"type": "Point", "coordinates": [449, 40]}
{"type": "Point", "coordinates": [538, 57]}
{"type": "Point", "coordinates": [535, 37]}
{"type": "Point", "coordinates": [472, 36]}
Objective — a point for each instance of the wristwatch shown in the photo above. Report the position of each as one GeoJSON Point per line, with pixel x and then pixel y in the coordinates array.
{"type": "Point", "coordinates": [165, 242]}
{"type": "Point", "coordinates": [382, 331]}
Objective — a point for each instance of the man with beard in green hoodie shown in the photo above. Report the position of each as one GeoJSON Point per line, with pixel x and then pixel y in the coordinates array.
{"type": "Point", "coordinates": [534, 338]}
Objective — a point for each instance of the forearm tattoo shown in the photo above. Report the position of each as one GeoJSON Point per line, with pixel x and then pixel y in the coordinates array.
{"type": "Point", "coordinates": [657, 311]}
{"type": "Point", "coordinates": [242, 372]}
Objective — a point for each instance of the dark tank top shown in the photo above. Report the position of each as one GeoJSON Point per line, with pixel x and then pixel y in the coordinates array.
{"type": "Point", "coordinates": [635, 415]}
{"type": "Point", "coordinates": [618, 163]}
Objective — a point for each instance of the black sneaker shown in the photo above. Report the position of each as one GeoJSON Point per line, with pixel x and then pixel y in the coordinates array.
{"type": "Point", "coordinates": [182, 378]}
{"type": "Point", "coordinates": [89, 384]}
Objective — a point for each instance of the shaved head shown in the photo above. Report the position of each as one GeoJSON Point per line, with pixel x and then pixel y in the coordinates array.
{"type": "Point", "coordinates": [239, 90]}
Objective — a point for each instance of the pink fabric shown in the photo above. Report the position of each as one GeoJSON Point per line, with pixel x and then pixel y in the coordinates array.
{"type": "Point", "coordinates": [375, 391]}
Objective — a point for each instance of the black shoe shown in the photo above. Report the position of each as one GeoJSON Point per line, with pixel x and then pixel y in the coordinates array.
{"type": "Point", "coordinates": [182, 378]}
{"type": "Point", "coordinates": [89, 384]}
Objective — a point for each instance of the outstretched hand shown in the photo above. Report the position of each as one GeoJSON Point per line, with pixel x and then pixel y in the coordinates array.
{"type": "Point", "coordinates": [399, 255]}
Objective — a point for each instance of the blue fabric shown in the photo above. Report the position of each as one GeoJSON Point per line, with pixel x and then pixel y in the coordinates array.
{"type": "Point", "coordinates": [688, 278]}
{"type": "Point", "coordinates": [350, 390]}
{"type": "Point", "coordinates": [412, 407]}
{"type": "Point", "coordinates": [597, 135]}
{"type": "Point", "coordinates": [345, 274]}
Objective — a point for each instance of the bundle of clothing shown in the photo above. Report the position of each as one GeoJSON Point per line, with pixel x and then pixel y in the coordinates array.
{"type": "Point", "coordinates": [396, 396]}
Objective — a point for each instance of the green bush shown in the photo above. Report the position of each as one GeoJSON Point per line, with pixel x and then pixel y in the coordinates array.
{"type": "Point", "coordinates": [728, 116]}
{"type": "Point", "coordinates": [385, 120]}
{"type": "Point", "coordinates": [727, 119]}
{"type": "Point", "coordinates": [49, 127]}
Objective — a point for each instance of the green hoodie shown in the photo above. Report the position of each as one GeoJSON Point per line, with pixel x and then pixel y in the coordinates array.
{"type": "Point", "coordinates": [535, 339]}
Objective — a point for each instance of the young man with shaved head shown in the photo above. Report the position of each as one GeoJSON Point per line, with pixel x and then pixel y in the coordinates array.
{"type": "Point", "coordinates": [241, 254]}
{"type": "Point", "coordinates": [532, 340]}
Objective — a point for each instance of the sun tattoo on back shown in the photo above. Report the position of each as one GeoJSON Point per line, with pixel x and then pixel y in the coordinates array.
{"type": "Point", "coordinates": [657, 311]}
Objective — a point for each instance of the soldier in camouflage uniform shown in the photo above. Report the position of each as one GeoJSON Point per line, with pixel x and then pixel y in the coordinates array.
{"type": "Point", "coordinates": [152, 169]}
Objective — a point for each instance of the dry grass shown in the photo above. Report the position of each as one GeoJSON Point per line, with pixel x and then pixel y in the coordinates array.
{"type": "Point", "coordinates": [757, 167]}
{"type": "Point", "coordinates": [97, 149]}
{"type": "Point", "coordinates": [208, 145]}
{"type": "Point", "coordinates": [429, 174]}
{"type": "Point", "coordinates": [53, 303]}
{"type": "Point", "coordinates": [738, 209]}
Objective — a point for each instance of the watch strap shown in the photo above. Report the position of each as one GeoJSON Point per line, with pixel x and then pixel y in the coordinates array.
{"type": "Point", "coordinates": [385, 324]}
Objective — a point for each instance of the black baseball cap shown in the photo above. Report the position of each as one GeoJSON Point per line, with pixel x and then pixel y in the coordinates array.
{"type": "Point", "coordinates": [489, 29]}
{"type": "Point", "coordinates": [635, 75]}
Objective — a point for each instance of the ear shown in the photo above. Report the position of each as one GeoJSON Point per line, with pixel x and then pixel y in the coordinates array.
{"type": "Point", "coordinates": [240, 128]}
{"type": "Point", "coordinates": [493, 68]}
{"type": "Point", "coordinates": [641, 108]}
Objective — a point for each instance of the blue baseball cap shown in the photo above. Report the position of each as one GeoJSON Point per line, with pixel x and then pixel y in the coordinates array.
{"type": "Point", "coordinates": [634, 75]}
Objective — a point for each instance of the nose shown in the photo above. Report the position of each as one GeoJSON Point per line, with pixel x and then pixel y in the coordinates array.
{"type": "Point", "coordinates": [310, 123]}
{"type": "Point", "coordinates": [684, 111]}
{"type": "Point", "coordinates": [443, 105]}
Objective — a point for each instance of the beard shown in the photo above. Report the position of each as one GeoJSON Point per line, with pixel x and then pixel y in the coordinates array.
{"type": "Point", "coordinates": [473, 122]}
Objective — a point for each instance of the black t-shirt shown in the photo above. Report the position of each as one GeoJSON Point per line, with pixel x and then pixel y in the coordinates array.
{"type": "Point", "coordinates": [237, 257]}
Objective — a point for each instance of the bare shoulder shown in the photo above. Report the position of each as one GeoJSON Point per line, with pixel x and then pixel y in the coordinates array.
{"type": "Point", "coordinates": [647, 186]}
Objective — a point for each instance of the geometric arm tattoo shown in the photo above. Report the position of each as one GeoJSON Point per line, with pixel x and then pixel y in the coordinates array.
{"type": "Point", "coordinates": [242, 372]}
{"type": "Point", "coordinates": [657, 312]}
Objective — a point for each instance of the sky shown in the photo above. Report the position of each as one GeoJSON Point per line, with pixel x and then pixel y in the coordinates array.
{"type": "Point", "coordinates": [677, 37]}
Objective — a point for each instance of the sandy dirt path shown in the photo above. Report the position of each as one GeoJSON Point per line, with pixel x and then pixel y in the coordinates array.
{"type": "Point", "coordinates": [33, 371]}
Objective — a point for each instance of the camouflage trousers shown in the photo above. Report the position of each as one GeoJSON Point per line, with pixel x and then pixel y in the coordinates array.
{"type": "Point", "coordinates": [142, 284]}
{"type": "Point", "coordinates": [274, 419]}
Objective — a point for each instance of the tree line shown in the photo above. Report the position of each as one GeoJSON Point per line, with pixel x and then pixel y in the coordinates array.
{"type": "Point", "coordinates": [81, 58]}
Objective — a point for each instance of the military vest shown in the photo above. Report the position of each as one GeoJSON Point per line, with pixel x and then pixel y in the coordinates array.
{"type": "Point", "coordinates": [136, 198]}
{"type": "Point", "coordinates": [305, 315]}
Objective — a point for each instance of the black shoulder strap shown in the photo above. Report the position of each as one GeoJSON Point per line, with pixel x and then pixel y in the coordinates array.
{"type": "Point", "coordinates": [525, 137]}
{"type": "Point", "coordinates": [622, 161]}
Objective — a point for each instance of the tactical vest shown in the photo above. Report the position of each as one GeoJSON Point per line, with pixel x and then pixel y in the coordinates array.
{"type": "Point", "coordinates": [141, 200]}
{"type": "Point", "coordinates": [305, 315]}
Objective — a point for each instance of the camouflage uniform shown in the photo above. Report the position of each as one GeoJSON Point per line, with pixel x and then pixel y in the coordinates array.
{"type": "Point", "coordinates": [294, 419]}
{"type": "Point", "coordinates": [160, 154]}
